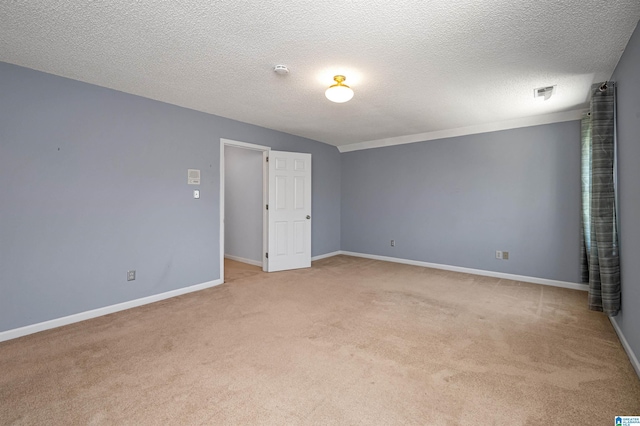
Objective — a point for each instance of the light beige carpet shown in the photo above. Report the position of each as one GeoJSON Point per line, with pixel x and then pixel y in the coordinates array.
{"type": "Point", "coordinates": [348, 341]}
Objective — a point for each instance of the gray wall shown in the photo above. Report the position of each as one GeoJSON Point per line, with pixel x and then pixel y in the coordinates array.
{"type": "Point", "coordinates": [627, 76]}
{"type": "Point", "coordinates": [243, 204]}
{"type": "Point", "coordinates": [93, 183]}
{"type": "Point", "coordinates": [456, 201]}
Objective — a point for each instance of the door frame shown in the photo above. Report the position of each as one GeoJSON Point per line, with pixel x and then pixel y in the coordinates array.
{"type": "Point", "coordinates": [265, 196]}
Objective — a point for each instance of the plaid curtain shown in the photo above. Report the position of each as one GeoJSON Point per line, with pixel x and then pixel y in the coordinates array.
{"type": "Point", "coordinates": [600, 259]}
{"type": "Point", "coordinates": [585, 218]}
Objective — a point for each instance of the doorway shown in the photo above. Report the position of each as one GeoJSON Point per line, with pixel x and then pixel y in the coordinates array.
{"type": "Point", "coordinates": [286, 188]}
{"type": "Point", "coordinates": [243, 197]}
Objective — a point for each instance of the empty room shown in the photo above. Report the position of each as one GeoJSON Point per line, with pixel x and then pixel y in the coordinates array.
{"type": "Point", "coordinates": [320, 212]}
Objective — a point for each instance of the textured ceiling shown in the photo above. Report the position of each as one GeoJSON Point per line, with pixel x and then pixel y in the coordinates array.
{"type": "Point", "coordinates": [415, 66]}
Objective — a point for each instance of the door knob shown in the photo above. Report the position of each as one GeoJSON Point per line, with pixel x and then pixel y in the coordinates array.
{"type": "Point", "coordinates": [308, 217]}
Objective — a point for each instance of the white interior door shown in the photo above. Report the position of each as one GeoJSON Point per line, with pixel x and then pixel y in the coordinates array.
{"type": "Point", "coordinates": [289, 212]}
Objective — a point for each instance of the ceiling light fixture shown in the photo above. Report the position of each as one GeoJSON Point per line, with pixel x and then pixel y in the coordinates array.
{"type": "Point", "coordinates": [339, 92]}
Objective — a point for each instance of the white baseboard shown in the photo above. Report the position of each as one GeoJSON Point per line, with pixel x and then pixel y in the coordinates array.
{"type": "Point", "coordinates": [243, 260]}
{"type": "Point", "coordinates": [70, 319]}
{"type": "Point", "coordinates": [524, 278]}
{"type": "Point", "coordinates": [324, 256]}
{"type": "Point", "coordinates": [59, 322]}
{"type": "Point", "coordinates": [256, 263]}
{"type": "Point", "coordinates": [626, 346]}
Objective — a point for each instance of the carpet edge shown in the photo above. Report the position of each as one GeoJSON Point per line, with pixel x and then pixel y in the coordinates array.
{"type": "Point", "coordinates": [626, 346]}
{"type": "Point", "coordinates": [106, 310]}
{"type": "Point", "coordinates": [524, 278]}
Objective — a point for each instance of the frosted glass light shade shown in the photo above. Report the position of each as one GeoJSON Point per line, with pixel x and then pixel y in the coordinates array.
{"type": "Point", "coordinates": [339, 92]}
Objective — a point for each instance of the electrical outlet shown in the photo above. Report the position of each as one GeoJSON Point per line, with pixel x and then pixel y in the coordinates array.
{"type": "Point", "coordinates": [393, 243]}
{"type": "Point", "coordinates": [131, 275]}
{"type": "Point", "coordinates": [505, 255]}
{"type": "Point", "coordinates": [498, 254]}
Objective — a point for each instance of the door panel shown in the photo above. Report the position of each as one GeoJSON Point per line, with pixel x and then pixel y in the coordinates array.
{"type": "Point", "coordinates": [289, 233]}
{"type": "Point", "coordinates": [299, 201]}
{"type": "Point", "coordinates": [281, 193]}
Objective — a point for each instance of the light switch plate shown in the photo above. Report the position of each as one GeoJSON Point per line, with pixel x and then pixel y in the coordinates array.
{"type": "Point", "coordinates": [196, 193]}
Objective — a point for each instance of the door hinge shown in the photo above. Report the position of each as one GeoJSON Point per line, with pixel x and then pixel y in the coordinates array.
{"type": "Point", "coordinates": [266, 255]}
{"type": "Point", "coordinates": [267, 159]}
{"type": "Point", "coordinates": [267, 206]}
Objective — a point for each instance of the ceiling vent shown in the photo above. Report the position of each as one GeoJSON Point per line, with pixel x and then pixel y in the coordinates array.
{"type": "Point", "coordinates": [544, 92]}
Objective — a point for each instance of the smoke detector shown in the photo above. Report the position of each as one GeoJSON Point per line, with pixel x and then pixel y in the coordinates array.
{"type": "Point", "coordinates": [544, 92]}
{"type": "Point", "coordinates": [281, 69]}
